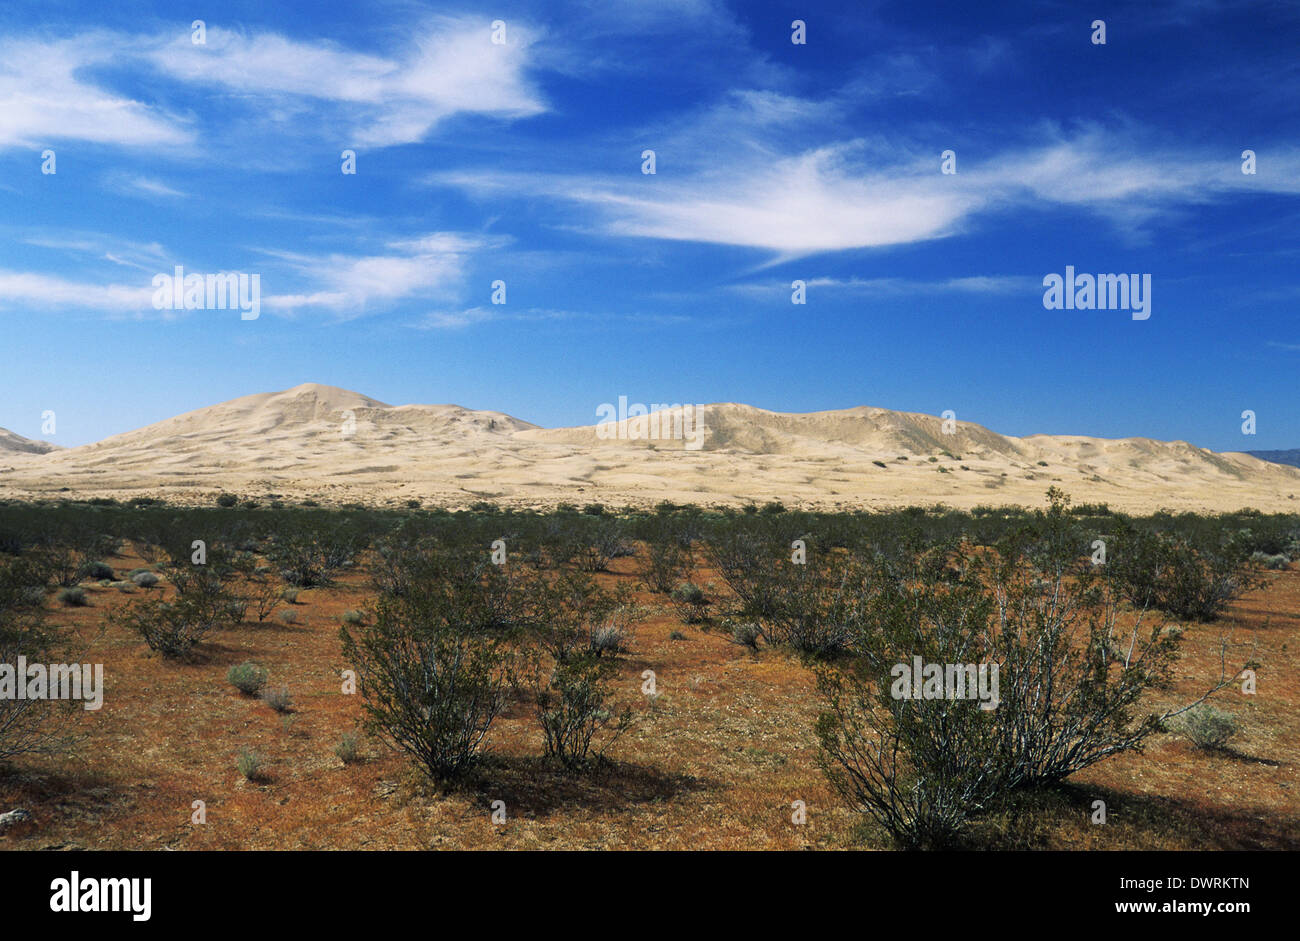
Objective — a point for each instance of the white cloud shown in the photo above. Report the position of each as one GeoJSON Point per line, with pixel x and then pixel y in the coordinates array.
{"type": "Point", "coordinates": [452, 320]}
{"type": "Point", "coordinates": [353, 285]}
{"type": "Point", "coordinates": [44, 291]}
{"type": "Point", "coordinates": [45, 98]}
{"type": "Point", "coordinates": [451, 66]}
{"type": "Point", "coordinates": [977, 284]}
{"type": "Point", "coordinates": [731, 177]}
{"type": "Point", "coordinates": [151, 187]}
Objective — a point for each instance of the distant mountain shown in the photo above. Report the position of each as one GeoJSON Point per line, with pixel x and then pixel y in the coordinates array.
{"type": "Point", "coordinates": [1291, 457]}
{"type": "Point", "coordinates": [335, 446]}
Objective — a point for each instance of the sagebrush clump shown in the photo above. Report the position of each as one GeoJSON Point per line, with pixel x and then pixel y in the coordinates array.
{"type": "Point", "coordinates": [248, 678]}
{"type": "Point", "coordinates": [1209, 727]}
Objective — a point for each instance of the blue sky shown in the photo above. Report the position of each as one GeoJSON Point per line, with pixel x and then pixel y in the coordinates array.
{"type": "Point", "coordinates": [521, 162]}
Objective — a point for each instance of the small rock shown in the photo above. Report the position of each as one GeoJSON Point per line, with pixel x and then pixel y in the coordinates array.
{"type": "Point", "coordinates": [14, 817]}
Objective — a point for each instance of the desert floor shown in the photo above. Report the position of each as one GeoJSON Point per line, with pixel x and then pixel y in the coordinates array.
{"type": "Point", "coordinates": [714, 763]}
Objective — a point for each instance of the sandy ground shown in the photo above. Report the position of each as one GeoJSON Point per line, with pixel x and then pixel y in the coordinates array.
{"type": "Point", "coordinates": [715, 762]}
{"type": "Point", "coordinates": [336, 446]}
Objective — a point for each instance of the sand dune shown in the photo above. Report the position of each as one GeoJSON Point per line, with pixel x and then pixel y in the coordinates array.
{"type": "Point", "coordinates": [11, 443]}
{"type": "Point", "coordinates": [339, 446]}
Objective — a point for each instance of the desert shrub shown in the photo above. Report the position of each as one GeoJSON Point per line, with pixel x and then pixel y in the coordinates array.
{"type": "Point", "coordinates": [590, 544]}
{"type": "Point", "coordinates": [1065, 672]}
{"type": "Point", "coordinates": [456, 583]}
{"type": "Point", "coordinates": [72, 597]}
{"type": "Point", "coordinates": [353, 617]}
{"type": "Point", "coordinates": [96, 571]}
{"type": "Point", "coordinates": [288, 616]}
{"type": "Point", "coordinates": [574, 623]}
{"type": "Point", "coordinates": [172, 628]}
{"type": "Point", "coordinates": [262, 593]}
{"type": "Point", "coordinates": [251, 764]}
{"type": "Point", "coordinates": [812, 608]}
{"type": "Point", "coordinates": [278, 698]}
{"type": "Point", "coordinates": [64, 547]}
{"type": "Point", "coordinates": [145, 579]}
{"type": "Point", "coordinates": [746, 634]}
{"type": "Point", "coordinates": [30, 725]}
{"type": "Point", "coordinates": [311, 555]}
{"type": "Point", "coordinates": [290, 595]}
{"type": "Point", "coordinates": [676, 635]}
{"type": "Point", "coordinates": [1276, 562]}
{"type": "Point", "coordinates": [691, 602]}
{"type": "Point", "coordinates": [227, 500]}
{"type": "Point", "coordinates": [578, 722]}
{"type": "Point", "coordinates": [570, 614]}
{"type": "Point", "coordinates": [248, 678]}
{"type": "Point", "coordinates": [431, 687]}
{"type": "Point", "coordinates": [745, 560]}
{"type": "Point", "coordinates": [1209, 727]}
{"type": "Point", "coordinates": [349, 748]}
{"type": "Point", "coordinates": [237, 609]}
{"type": "Point", "coordinates": [125, 587]}
{"type": "Point", "coordinates": [606, 639]}
{"type": "Point", "coordinates": [203, 603]}
{"type": "Point", "coordinates": [918, 766]}
{"type": "Point", "coordinates": [600, 548]}
{"type": "Point", "coordinates": [1191, 581]}
{"type": "Point", "coordinates": [667, 562]}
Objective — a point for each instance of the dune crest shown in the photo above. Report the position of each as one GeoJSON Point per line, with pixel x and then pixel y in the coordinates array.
{"type": "Point", "coordinates": [11, 443]}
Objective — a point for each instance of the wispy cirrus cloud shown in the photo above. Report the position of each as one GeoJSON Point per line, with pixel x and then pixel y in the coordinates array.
{"type": "Point", "coordinates": [144, 186]}
{"type": "Point", "coordinates": [450, 66]}
{"type": "Point", "coordinates": [731, 177]}
{"type": "Point", "coordinates": [43, 291]}
{"type": "Point", "coordinates": [1004, 285]}
{"type": "Point", "coordinates": [53, 90]}
{"type": "Point", "coordinates": [46, 96]}
{"type": "Point", "coordinates": [350, 286]}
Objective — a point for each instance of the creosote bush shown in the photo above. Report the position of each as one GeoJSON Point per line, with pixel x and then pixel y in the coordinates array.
{"type": "Point", "coordinates": [30, 726]}
{"type": "Point", "coordinates": [1189, 578]}
{"type": "Point", "coordinates": [667, 560]}
{"type": "Point", "coordinates": [578, 722]}
{"type": "Point", "coordinates": [203, 603]}
{"type": "Point", "coordinates": [433, 674]}
{"type": "Point", "coordinates": [1072, 664]}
